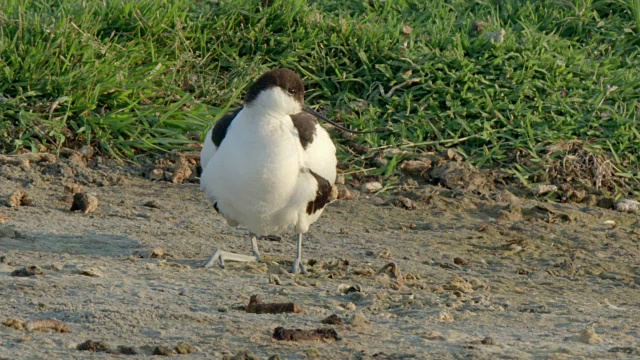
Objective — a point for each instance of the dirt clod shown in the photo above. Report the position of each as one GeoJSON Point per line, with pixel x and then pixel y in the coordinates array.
{"type": "Point", "coordinates": [333, 320]}
{"type": "Point", "coordinates": [19, 198]}
{"type": "Point", "coordinates": [460, 261]}
{"type": "Point", "coordinates": [243, 355]}
{"type": "Point", "coordinates": [153, 204]}
{"type": "Point", "coordinates": [627, 205]}
{"type": "Point", "coordinates": [344, 193]}
{"type": "Point", "coordinates": [283, 334]}
{"type": "Point", "coordinates": [183, 349]}
{"type": "Point", "coordinates": [14, 324]}
{"type": "Point", "coordinates": [371, 187]}
{"type": "Point", "coordinates": [415, 167]}
{"type": "Point", "coordinates": [163, 350]}
{"type": "Point", "coordinates": [91, 345]}
{"type": "Point", "coordinates": [406, 203]}
{"type": "Point", "coordinates": [124, 350]}
{"type": "Point", "coordinates": [27, 271]}
{"type": "Point", "coordinates": [256, 306]}
{"type": "Point", "coordinates": [84, 202]}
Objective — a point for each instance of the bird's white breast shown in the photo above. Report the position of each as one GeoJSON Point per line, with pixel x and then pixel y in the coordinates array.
{"type": "Point", "coordinates": [255, 174]}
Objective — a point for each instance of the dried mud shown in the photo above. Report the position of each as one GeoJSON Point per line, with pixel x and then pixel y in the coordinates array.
{"type": "Point", "coordinates": [435, 273]}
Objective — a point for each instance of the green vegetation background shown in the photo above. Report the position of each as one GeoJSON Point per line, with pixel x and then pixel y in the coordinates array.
{"type": "Point", "coordinates": [135, 77]}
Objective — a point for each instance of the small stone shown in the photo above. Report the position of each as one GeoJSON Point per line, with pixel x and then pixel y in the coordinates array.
{"type": "Point", "coordinates": [184, 348]}
{"type": "Point", "coordinates": [627, 205]}
{"type": "Point", "coordinates": [496, 36]}
{"type": "Point", "coordinates": [452, 155]}
{"type": "Point", "coordinates": [90, 271]}
{"type": "Point", "coordinates": [487, 341]}
{"type": "Point", "coordinates": [243, 355]}
{"type": "Point", "coordinates": [274, 279]}
{"type": "Point", "coordinates": [27, 271]}
{"type": "Point", "coordinates": [371, 187]}
{"type": "Point", "coordinates": [94, 346]}
{"type": "Point", "coordinates": [86, 151]}
{"type": "Point", "coordinates": [333, 320]}
{"type": "Point", "coordinates": [344, 193]}
{"type": "Point", "coordinates": [385, 253]}
{"type": "Point", "coordinates": [460, 261]}
{"type": "Point", "coordinates": [162, 350]}
{"type": "Point", "coordinates": [84, 202]}
{"type": "Point", "coordinates": [588, 336]}
{"type": "Point", "coordinates": [543, 189]}
{"type": "Point", "coordinates": [415, 167]}
{"type": "Point", "coordinates": [156, 174]}
{"type": "Point", "coordinates": [406, 203]}
{"type": "Point", "coordinates": [126, 350]}
{"type": "Point", "coordinates": [625, 350]}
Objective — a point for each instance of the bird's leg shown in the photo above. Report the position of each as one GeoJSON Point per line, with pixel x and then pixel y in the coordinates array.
{"type": "Point", "coordinates": [297, 266]}
{"type": "Point", "coordinates": [222, 256]}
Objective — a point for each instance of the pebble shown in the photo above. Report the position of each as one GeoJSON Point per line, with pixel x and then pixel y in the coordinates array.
{"type": "Point", "coordinates": [460, 261]}
{"type": "Point", "coordinates": [91, 345]}
{"type": "Point", "coordinates": [627, 205]}
{"type": "Point", "coordinates": [371, 187]}
{"type": "Point", "coordinates": [406, 203]}
{"type": "Point", "coordinates": [543, 189]}
{"type": "Point", "coordinates": [415, 167]}
{"type": "Point", "coordinates": [156, 174]}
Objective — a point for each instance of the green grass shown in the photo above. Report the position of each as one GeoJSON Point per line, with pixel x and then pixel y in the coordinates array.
{"type": "Point", "coordinates": [137, 77]}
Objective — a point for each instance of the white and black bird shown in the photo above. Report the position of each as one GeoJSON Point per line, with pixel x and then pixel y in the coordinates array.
{"type": "Point", "coordinates": [269, 166]}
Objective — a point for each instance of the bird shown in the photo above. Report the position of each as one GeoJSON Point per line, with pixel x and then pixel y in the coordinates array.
{"type": "Point", "coordinates": [269, 165]}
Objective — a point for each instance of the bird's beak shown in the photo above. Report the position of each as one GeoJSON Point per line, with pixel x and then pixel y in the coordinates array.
{"type": "Point", "coordinates": [319, 116]}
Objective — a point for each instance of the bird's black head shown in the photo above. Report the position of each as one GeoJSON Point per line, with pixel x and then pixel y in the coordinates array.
{"type": "Point", "coordinates": [285, 79]}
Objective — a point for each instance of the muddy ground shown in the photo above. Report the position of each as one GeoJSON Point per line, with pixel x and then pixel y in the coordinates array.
{"type": "Point", "coordinates": [484, 275]}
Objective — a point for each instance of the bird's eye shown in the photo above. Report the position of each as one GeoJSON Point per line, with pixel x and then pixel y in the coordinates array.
{"type": "Point", "coordinates": [292, 91]}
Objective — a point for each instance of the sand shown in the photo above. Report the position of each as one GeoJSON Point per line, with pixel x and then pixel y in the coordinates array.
{"type": "Point", "coordinates": [463, 275]}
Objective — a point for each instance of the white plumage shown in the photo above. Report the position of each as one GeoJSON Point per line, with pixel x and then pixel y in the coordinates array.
{"type": "Point", "coordinates": [264, 174]}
